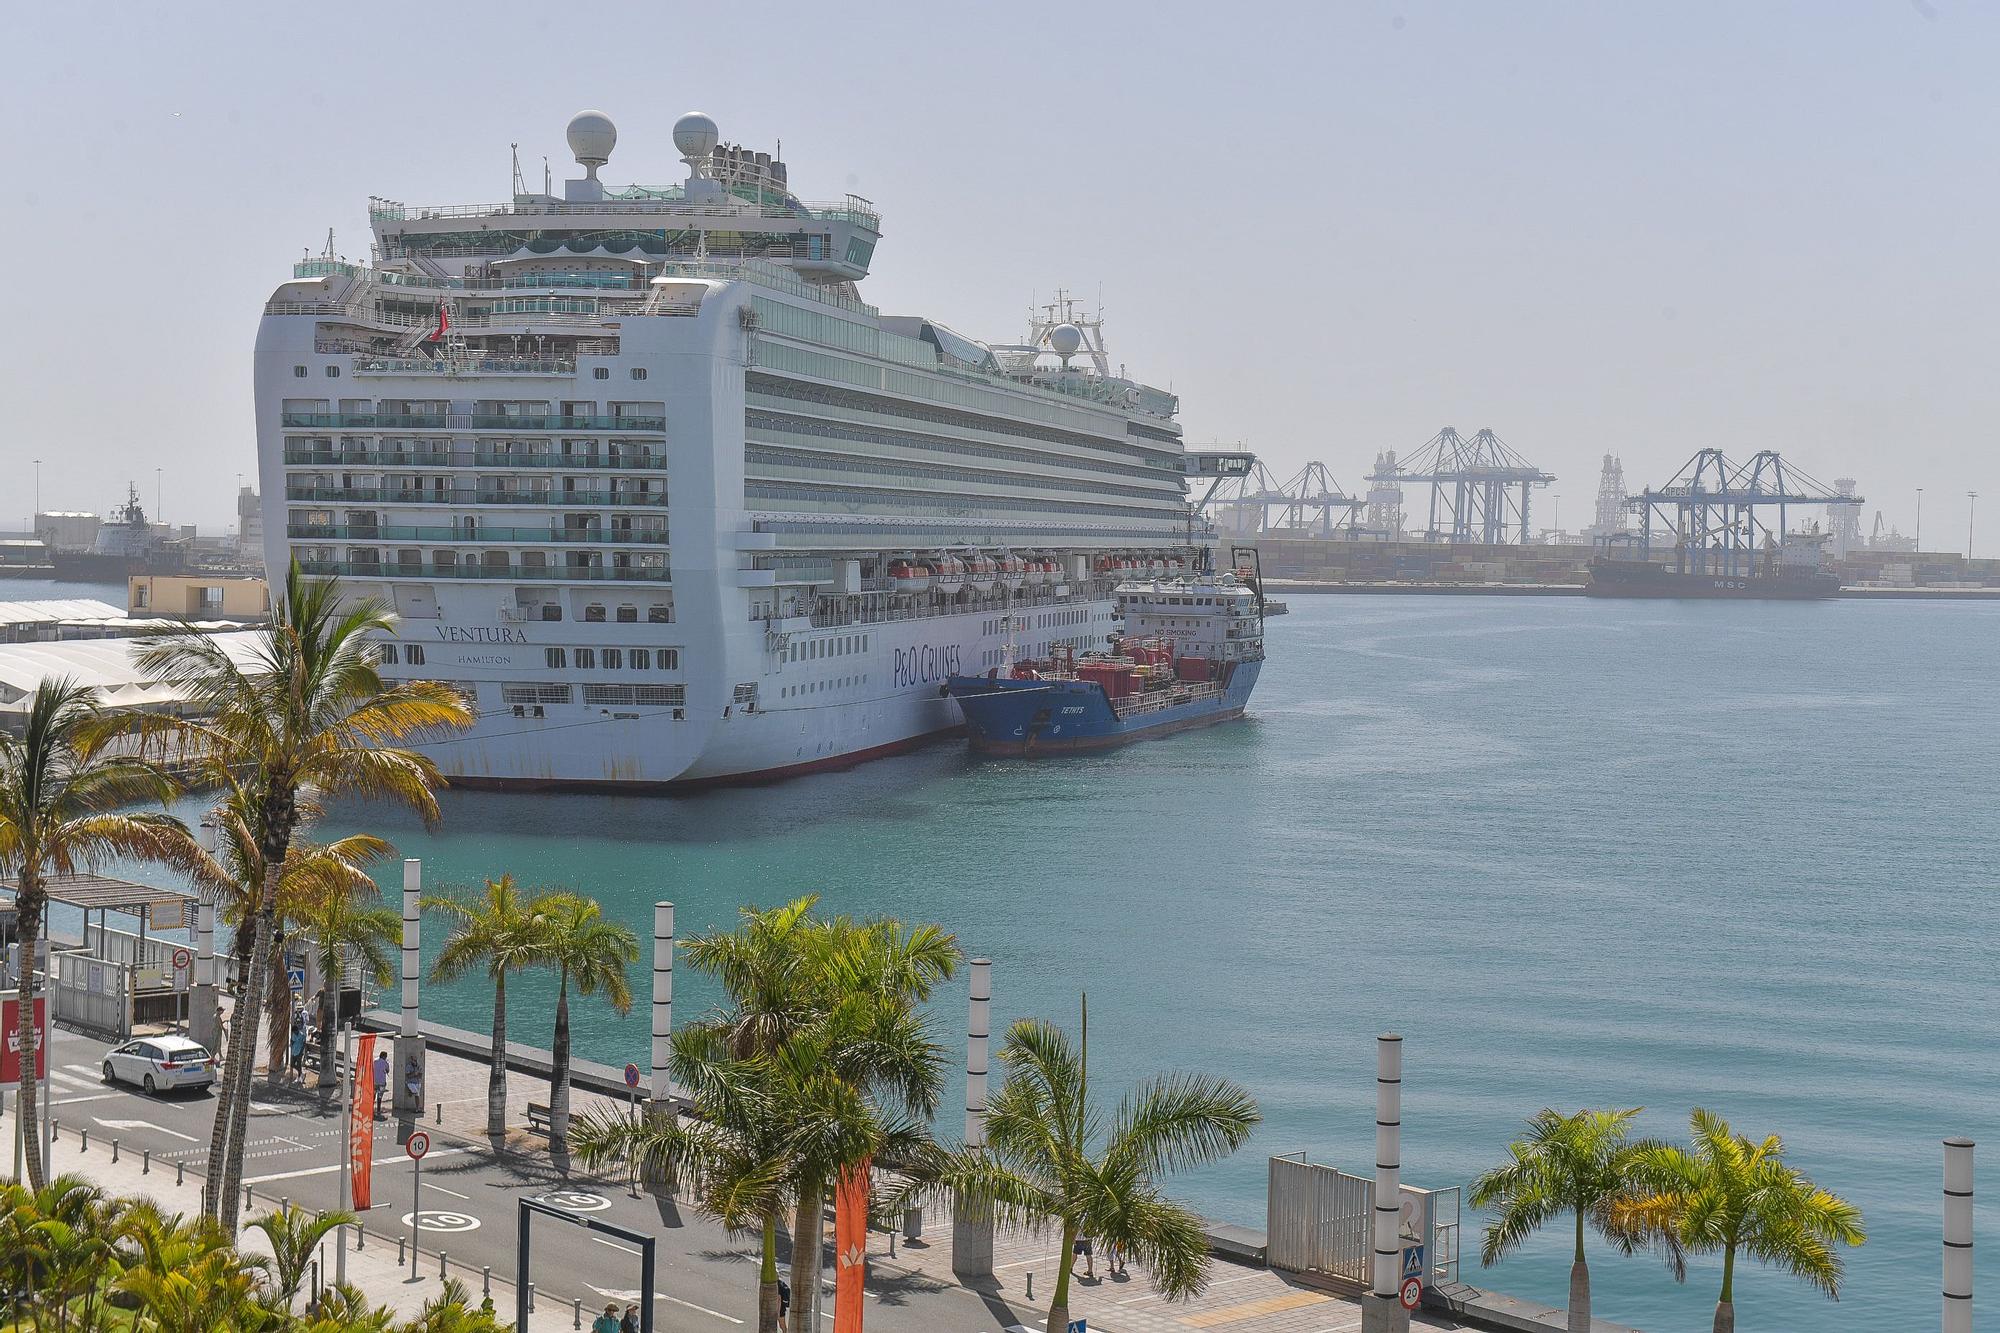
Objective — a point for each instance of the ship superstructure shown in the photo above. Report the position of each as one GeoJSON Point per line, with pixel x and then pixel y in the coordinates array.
{"type": "Point", "coordinates": [643, 475]}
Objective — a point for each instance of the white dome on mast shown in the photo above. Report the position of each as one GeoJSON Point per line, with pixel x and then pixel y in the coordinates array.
{"type": "Point", "coordinates": [696, 135]}
{"type": "Point", "coordinates": [592, 136]}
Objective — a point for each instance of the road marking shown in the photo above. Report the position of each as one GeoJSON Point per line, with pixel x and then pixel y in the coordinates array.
{"type": "Point", "coordinates": [92, 1070]}
{"type": "Point", "coordinates": [703, 1308]}
{"type": "Point", "coordinates": [57, 1076]}
{"type": "Point", "coordinates": [453, 1193]}
{"type": "Point", "coordinates": [328, 1170]}
{"type": "Point", "coordinates": [1229, 1314]}
{"type": "Point", "coordinates": [614, 1245]}
{"type": "Point", "coordinates": [629, 1295]}
{"type": "Point", "coordinates": [144, 1124]}
{"type": "Point", "coordinates": [94, 1097]}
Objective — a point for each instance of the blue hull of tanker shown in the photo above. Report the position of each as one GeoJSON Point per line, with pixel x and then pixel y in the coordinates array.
{"type": "Point", "coordinates": [1052, 716]}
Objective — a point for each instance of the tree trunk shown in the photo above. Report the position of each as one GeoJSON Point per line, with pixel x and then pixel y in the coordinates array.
{"type": "Point", "coordinates": [28, 932]}
{"type": "Point", "coordinates": [278, 1008]}
{"type": "Point", "coordinates": [237, 1050]}
{"type": "Point", "coordinates": [1065, 1264]}
{"type": "Point", "coordinates": [767, 1278]}
{"type": "Point", "coordinates": [226, 1175]}
{"type": "Point", "coordinates": [1725, 1304]}
{"type": "Point", "coordinates": [559, 1073]}
{"type": "Point", "coordinates": [1579, 1297]}
{"type": "Point", "coordinates": [496, 1077]}
{"type": "Point", "coordinates": [808, 1236]}
{"type": "Point", "coordinates": [329, 1014]}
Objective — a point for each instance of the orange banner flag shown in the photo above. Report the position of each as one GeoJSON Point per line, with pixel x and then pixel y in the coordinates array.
{"type": "Point", "coordinates": [850, 1243]}
{"type": "Point", "coordinates": [361, 1125]}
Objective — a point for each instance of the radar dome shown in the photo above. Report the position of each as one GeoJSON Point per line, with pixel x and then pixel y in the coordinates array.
{"type": "Point", "coordinates": [695, 135]}
{"type": "Point", "coordinates": [592, 136]}
{"type": "Point", "coordinates": [1066, 338]}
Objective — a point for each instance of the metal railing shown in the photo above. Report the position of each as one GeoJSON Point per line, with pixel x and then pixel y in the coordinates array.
{"type": "Point", "coordinates": [391, 532]}
{"type": "Point", "coordinates": [388, 210]}
{"type": "Point", "coordinates": [546, 499]}
{"type": "Point", "coordinates": [363, 569]}
{"type": "Point", "coordinates": [637, 462]}
{"type": "Point", "coordinates": [471, 421]}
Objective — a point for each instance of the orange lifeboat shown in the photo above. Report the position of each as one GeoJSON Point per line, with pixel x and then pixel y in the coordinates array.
{"type": "Point", "coordinates": [908, 576]}
{"type": "Point", "coordinates": [980, 572]}
{"type": "Point", "coordinates": [1013, 571]}
{"type": "Point", "coordinates": [950, 575]}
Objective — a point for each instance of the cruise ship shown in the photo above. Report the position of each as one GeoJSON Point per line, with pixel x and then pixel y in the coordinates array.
{"type": "Point", "coordinates": [643, 475]}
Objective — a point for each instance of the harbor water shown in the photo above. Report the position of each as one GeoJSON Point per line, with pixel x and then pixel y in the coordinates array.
{"type": "Point", "coordinates": [1580, 853]}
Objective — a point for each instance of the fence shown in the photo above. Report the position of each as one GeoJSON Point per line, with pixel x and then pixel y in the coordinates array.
{"type": "Point", "coordinates": [1319, 1221]}
{"type": "Point", "coordinates": [93, 994]}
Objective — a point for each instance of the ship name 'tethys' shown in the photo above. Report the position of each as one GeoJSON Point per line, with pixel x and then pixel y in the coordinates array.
{"type": "Point", "coordinates": [480, 634]}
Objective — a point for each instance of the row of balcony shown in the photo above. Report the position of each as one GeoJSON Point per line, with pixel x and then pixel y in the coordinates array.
{"type": "Point", "coordinates": [486, 569]}
{"type": "Point", "coordinates": [356, 457]}
{"type": "Point", "coordinates": [471, 532]}
{"type": "Point", "coordinates": [467, 421]}
{"type": "Point", "coordinates": [459, 495]}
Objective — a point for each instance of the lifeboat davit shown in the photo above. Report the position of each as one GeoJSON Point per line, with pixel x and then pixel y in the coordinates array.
{"type": "Point", "coordinates": [1013, 571]}
{"type": "Point", "coordinates": [908, 576]}
{"type": "Point", "coordinates": [980, 572]}
{"type": "Point", "coordinates": [949, 577]}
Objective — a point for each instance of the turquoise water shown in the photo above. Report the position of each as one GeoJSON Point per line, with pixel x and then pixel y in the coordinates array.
{"type": "Point", "coordinates": [1578, 853]}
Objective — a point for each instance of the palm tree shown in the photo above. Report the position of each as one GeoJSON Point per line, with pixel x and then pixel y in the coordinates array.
{"type": "Point", "coordinates": [865, 1077]}
{"type": "Point", "coordinates": [185, 1276]}
{"type": "Point", "coordinates": [501, 931]}
{"type": "Point", "coordinates": [732, 1153]}
{"type": "Point", "coordinates": [294, 1234]}
{"type": "Point", "coordinates": [343, 925]}
{"type": "Point", "coordinates": [1051, 1159]}
{"type": "Point", "coordinates": [1728, 1193]}
{"type": "Point", "coordinates": [593, 953]}
{"type": "Point", "coordinates": [62, 794]}
{"type": "Point", "coordinates": [308, 718]}
{"type": "Point", "coordinates": [313, 874]}
{"type": "Point", "coordinates": [1577, 1164]}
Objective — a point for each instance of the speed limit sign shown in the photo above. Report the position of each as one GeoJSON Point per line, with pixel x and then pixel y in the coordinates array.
{"type": "Point", "coordinates": [419, 1144]}
{"type": "Point", "coordinates": [1412, 1293]}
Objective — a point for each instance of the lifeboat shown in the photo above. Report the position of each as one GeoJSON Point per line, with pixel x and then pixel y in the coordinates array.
{"type": "Point", "coordinates": [1157, 568]}
{"type": "Point", "coordinates": [980, 572]}
{"type": "Point", "coordinates": [1045, 571]}
{"type": "Point", "coordinates": [1105, 565]}
{"type": "Point", "coordinates": [1013, 571]}
{"type": "Point", "coordinates": [949, 577]}
{"type": "Point", "coordinates": [908, 576]}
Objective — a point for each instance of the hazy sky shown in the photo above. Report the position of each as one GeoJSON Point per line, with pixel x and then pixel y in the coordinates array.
{"type": "Point", "coordinates": [1332, 228]}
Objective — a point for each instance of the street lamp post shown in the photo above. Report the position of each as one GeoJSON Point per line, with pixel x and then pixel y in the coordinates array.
{"type": "Point", "coordinates": [1971, 503]}
{"type": "Point", "coordinates": [1920, 520]}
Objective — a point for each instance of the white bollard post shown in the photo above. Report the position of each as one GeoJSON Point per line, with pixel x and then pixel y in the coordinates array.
{"type": "Point", "coordinates": [1958, 1236]}
{"type": "Point", "coordinates": [203, 1011]}
{"type": "Point", "coordinates": [408, 1074]}
{"type": "Point", "coordinates": [663, 1001]}
{"type": "Point", "coordinates": [972, 1237]}
{"type": "Point", "coordinates": [1381, 1310]}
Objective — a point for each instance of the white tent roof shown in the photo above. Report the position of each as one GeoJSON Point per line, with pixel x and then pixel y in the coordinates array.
{"type": "Point", "coordinates": [62, 608]}
{"type": "Point", "coordinates": [109, 666]}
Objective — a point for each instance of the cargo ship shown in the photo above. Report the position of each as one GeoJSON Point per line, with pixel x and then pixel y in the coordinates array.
{"type": "Point", "coordinates": [128, 544]}
{"type": "Point", "coordinates": [1188, 656]}
{"type": "Point", "coordinates": [1794, 570]}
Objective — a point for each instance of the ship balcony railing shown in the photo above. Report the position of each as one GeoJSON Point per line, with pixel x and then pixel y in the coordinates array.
{"type": "Point", "coordinates": [396, 532]}
{"type": "Point", "coordinates": [512, 573]}
{"type": "Point", "coordinates": [729, 207]}
{"type": "Point", "coordinates": [460, 496]}
{"type": "Point", "coordinates": [464, 365]}
{"type": "Point", "coordinates": [471, 421]}
{"type": "Point", "coordinates": [310, 457]}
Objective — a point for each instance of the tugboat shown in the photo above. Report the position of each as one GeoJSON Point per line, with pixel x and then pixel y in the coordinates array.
{"type": "Point", "coordinates": [1189, 656]}
{"type": "Point", "coordinates": [126, 545]}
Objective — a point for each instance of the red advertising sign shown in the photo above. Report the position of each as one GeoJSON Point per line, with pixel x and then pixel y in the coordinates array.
{"type": "Point", "coordinates": [850, 1240]}
{"type": "Point", "coordinates": [361, 1129]}
{"type": "Point", "coordinates": [10, 1050]}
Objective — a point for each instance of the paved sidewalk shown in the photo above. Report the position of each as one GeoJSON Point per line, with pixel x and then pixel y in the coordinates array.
{"type": "Point", "coordinates": [374, 1269]}
{"type": "Point", "coordinates": [1238, 1299]}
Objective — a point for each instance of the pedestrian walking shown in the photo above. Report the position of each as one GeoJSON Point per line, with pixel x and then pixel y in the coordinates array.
{"type": "Point", "coordinates": [1082, 1251]}
{"type": "Point", "coordinates": [380, 1069]}
{"type": "Point", "coordinates": [299, 1047]}
{"type": "Point", "coordinates": [606, 1322]}
{"type": "Point", "coordinates": [630, 1323]}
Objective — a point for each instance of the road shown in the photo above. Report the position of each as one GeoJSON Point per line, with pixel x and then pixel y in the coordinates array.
{"type": "Point", "coordinates": [705, 1278]}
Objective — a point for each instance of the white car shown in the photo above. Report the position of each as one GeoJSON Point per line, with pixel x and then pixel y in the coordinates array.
{"type": "Point", "coordinates": [159, 1063]}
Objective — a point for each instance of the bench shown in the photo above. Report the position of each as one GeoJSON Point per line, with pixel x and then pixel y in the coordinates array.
{"type": "Point", "coordinates": [538, 1118]}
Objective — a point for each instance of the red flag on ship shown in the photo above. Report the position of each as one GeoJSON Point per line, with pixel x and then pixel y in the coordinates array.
{"type": "Point", "coordinates": [850, 1241]}
{"type": "Point", "coordinates": [444, 321]}
{"type": "Point", "coordinates": [361, 1127]}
